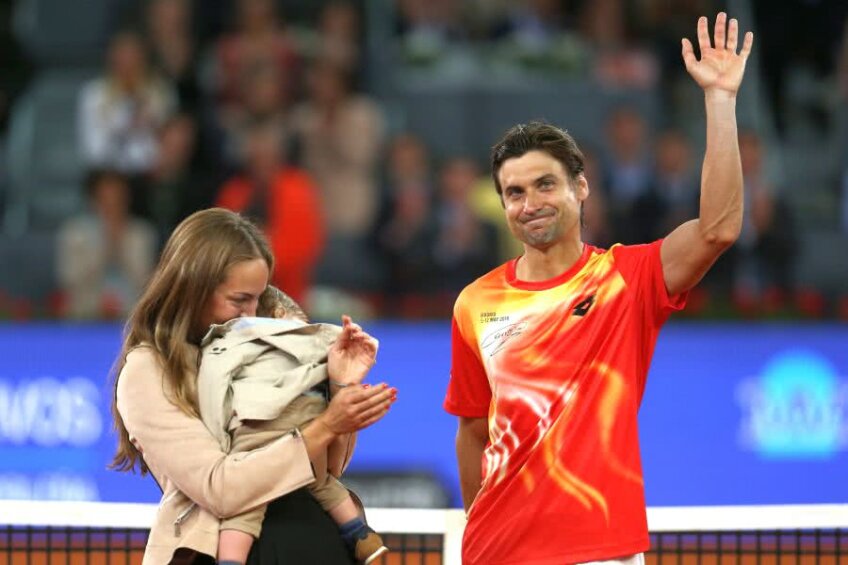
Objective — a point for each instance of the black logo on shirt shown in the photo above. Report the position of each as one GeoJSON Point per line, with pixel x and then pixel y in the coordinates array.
{"type": "Point", "coordinates": [583, 306]}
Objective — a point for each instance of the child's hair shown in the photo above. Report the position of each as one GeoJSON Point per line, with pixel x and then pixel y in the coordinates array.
{"type": "Point", "coordinates": [273, 299]}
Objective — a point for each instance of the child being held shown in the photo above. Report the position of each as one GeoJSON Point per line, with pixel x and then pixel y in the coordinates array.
{"type": "Point", "coordinates": [263, 377]}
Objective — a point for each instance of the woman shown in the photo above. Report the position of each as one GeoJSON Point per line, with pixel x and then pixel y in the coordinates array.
{"type": "Point", "coordinates": [213, 268]}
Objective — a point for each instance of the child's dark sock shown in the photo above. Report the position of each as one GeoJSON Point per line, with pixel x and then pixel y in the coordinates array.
{"type": "Point", "coordinates": [353, 530]}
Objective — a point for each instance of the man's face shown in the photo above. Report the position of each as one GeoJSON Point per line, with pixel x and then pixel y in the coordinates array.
{"type": "Point", "coordinates": [542, 204]}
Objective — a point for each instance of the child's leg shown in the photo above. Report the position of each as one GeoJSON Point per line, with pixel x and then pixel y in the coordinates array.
{"type": "Point", "coordinates": [236, 534]}
{"type": "Point", "coordinates": [344, 512]}
{"type": "Point", "coordinates": [233, 547]}
{"type": "Point", "coordinates": [365, 543]}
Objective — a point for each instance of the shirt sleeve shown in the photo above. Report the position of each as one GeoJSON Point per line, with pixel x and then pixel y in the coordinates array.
{"type": "Point", "coordinates": [178, 446]}
{"type": "Point", "coordinates": [641, 267]}
{"type": "Point", "coordinates": [469, 393]}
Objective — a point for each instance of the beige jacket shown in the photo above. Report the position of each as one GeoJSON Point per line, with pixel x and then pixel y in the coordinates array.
{"type": "Point", "coordinates": [252, 368]}
{"type": "Point", "coordinates": [189, 465]}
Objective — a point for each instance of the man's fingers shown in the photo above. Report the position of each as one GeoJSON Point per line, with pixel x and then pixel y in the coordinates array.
{"type": "Point", "coordinates": [747, 44]}
{"type": "Point", "coordinates": [732, 35]}
{"type": "Point", "coordinates": [703, 35]}
{"type": "Point", "coordinates": [688, 54]}
{"type": "Point", "coordinates": [719, 33]}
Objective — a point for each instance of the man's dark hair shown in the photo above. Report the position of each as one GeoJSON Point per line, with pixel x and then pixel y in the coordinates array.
{"type": "Point", "coordinates": [537, 136]}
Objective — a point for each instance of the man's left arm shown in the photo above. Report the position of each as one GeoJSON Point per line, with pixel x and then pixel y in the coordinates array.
{"type": "Point", "coordinates": [691, 249]}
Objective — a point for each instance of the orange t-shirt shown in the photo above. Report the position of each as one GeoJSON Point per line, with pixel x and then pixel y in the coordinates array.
{"type": "Point", "coordinates": [559, 368]}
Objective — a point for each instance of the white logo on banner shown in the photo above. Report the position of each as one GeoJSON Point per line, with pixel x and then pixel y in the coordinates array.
{"type": "Point", "coordinates": [48, 486]}
{"type": "Point", "coordinates": [48, 412]}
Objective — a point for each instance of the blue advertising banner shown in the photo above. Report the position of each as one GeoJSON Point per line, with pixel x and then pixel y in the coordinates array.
{"type": "Point", "coordinates": [732, 414]}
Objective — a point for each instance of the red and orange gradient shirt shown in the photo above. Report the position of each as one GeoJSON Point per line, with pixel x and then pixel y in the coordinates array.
{"type": "Point", "coordinates": [559, 367]}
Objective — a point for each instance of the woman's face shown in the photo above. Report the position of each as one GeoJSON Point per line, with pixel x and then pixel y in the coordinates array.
{"type": "Point", "coordinates": [238, 295]}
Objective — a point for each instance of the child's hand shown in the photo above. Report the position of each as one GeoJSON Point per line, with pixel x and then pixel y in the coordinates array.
{"type": "Point", "coordinates": [352, 355]}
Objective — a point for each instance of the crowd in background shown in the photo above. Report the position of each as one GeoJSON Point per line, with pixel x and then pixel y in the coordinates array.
{"type": "Point", "coordinates": [267, 116]}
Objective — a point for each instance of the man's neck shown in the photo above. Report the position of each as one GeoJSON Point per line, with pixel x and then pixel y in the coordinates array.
{"type": "Point", "coordinates": [543, 264]}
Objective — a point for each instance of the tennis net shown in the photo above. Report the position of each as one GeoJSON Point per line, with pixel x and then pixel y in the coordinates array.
{"type": "Point", "coordinates": [85, 533]}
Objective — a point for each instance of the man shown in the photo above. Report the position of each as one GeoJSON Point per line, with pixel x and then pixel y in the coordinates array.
{"type": "Point", "coordinates": [551, 350]}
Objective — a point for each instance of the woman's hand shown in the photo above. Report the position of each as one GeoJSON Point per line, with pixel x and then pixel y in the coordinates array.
{"type": "Point", "coordinates": [356, 407]}
{"type": "Point", "coordinates": [352, 355]}
{"type": "Point", "coordinates": [352, 408]}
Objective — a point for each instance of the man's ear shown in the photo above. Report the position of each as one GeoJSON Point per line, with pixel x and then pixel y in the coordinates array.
{"type": "Point", "coordinates": [581, 188]}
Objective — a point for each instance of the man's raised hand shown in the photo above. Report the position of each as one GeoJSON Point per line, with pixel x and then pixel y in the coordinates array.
{"type": "Point", "coordinates": [721, 68]}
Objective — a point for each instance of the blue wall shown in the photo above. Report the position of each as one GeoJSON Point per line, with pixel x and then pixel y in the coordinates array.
{"type": "Point", "coordinates": [733, 414]}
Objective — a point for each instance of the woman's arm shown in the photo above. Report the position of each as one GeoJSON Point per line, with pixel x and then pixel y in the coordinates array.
{"type": "Point", "coordinates": [350, 358]}
{"type": "Point", "coordinates": [340, 451]}
{"type": "Point", "coordinates": [178, 446]}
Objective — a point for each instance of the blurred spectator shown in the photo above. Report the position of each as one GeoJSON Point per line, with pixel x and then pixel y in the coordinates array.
{"type": "Point", "coordinates": [666, 22]}
{"type": "Point", "coordinates": [120, 113]}
{"type": "Point", "coordinates": [264, 102]}
{"type": "Point", "coordinates": [408, 179]}
{"type": "Point", "coordinates": [535, 24]}
{"type": "Point", "coordinates": [177, 186]}
{"type": "Point", "coordinates": [842, 136]}
{"type": "Point", "coordinates": [620, 59]}
{"type": "Point", "coordinates": [596, 221]}
{"type": "Point", "coordinates": [538, 34]}
{"type": "Point", "coordinates": [765, 251]}
{"type": "Point", "coordinates": [487, 205]}
{"type": "Point", "coordinates": [407, 242]}
{"type": "Point", "coordinates": [409, 165]}
{"type": "Point", "coordinates": [16, 66]}
{"type": "Point", "coordinates": [427, 27]}
{"type": "Point", "coordinates": [105, 256]}
{"type": "Point", "coordinates": [336, 38]}
{"type": "Point", "coordinates": [340, 136]}
{"type": "Point", "coordinates": [173, 50]}
{"type": "Point", "coordinates": [809, 44]}
{"type": "Point", "coordinates": [672, 197]}
{"type": "Point", "coordinates": [406, 233]}
{"type": "Point", "coordinates": [627, 170]}
{"type": "Point", "coordinates": [405, 228]}
{"type": "Point", "coordinates": [842, 65]}
{"type": "Point", "coordinates": [843, 214]}
{"type": "Point", "coordinates": [466, 245]}
{"type": "Point", "coordinates": [285, 202]}
{"type": "Point", "coordinates": [259, 40]}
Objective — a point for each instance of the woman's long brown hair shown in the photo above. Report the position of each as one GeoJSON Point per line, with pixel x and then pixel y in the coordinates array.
{"type": "Point", "coordinates": [194, 262]}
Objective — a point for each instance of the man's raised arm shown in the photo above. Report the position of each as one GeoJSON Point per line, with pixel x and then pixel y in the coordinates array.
{"type": "Point", "coordinates": [691, 249]}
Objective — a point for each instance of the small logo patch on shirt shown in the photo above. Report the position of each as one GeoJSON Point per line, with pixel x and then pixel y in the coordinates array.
{"type": "Point", "coordinates": [583, 306]}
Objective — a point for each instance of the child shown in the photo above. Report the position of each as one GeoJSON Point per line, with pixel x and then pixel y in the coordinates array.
{"type": "Point", "coordinates": [262, 377]}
